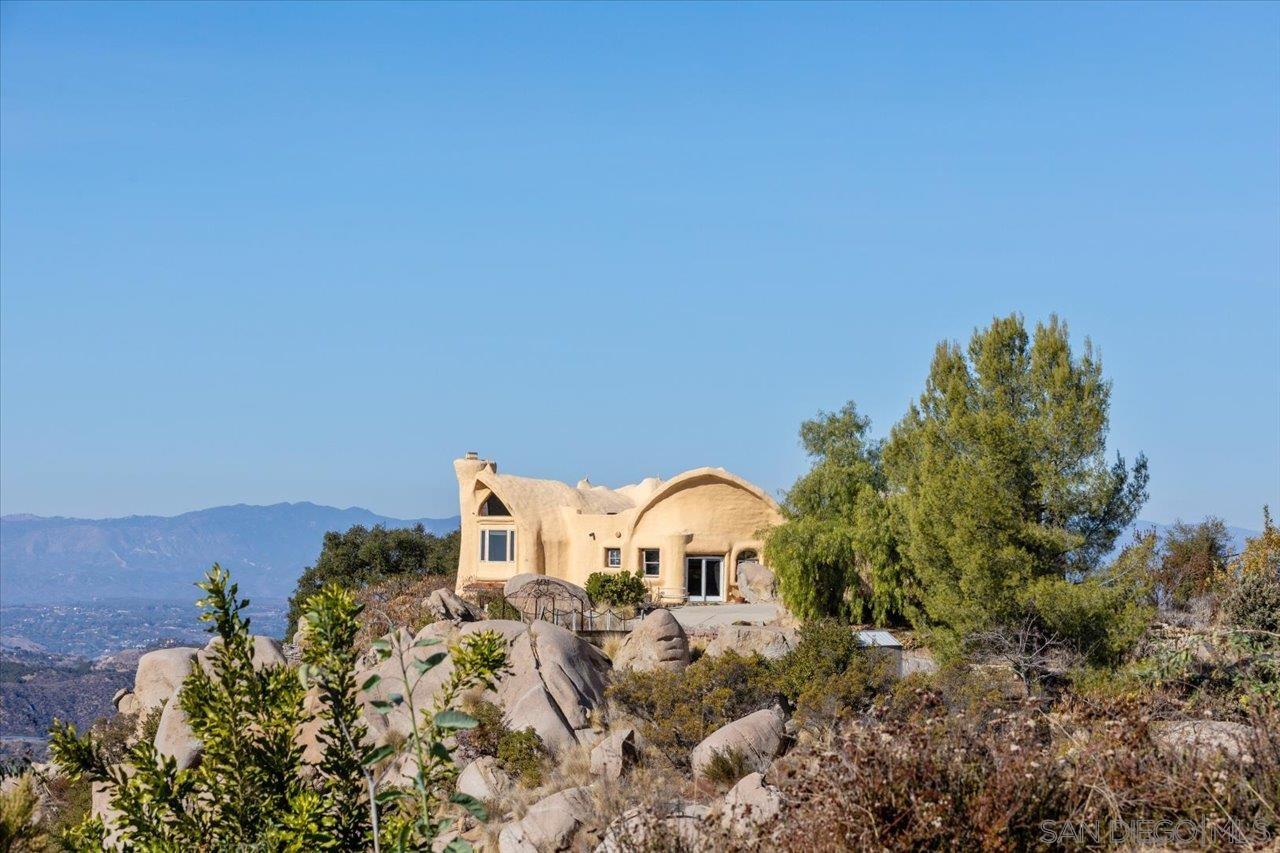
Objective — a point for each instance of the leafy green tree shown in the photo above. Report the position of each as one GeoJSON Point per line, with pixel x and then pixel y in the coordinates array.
{"type": "Point", "coordinates": [363, 555]}
{"type": "Point", "coordinates": [1195, 558]}
{"type": "Point", "coordinates": [836, 555]}
{"type": "Point", "coordinates": [1000, 475]}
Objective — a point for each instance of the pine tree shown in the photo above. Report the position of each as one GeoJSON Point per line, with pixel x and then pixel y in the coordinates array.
{"type": "Point", "coordinates": [1000, 476]}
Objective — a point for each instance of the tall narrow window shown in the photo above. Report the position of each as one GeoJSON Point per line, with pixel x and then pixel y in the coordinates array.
{"type": "Point", "coordinates": [652, 565]}
{"type": "Point", "coordinates": [497, 546]}
{"type": "Point", "coordinates": [613, 558]}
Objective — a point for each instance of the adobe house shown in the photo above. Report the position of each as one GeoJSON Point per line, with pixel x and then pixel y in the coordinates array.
{"type": "Point", "coordinates": [688, 534]}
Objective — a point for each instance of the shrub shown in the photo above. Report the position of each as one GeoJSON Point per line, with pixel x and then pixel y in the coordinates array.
{"type": "Point", "coordinates": [726, 767]}
{"type": "Point", "coordinates": [1101, 617]}
{"type": "Point", "coordinates": [1253, 604]}
{"type": "Point", "coordinates": [824, 648]}
{"type": "Point", "coordinates": [522, 754]}
{"type": "Point", "coordinates": [19, 826]}
{"type": "Point", "coordinates": [484, 737]}
{"type": "Point", "coordinates": [677, 710]}
{"type": "Point", "coordinates": [839, 696]}
{"type": "Point", "coordinates": [618, 589]}
{"type": "Point", "coordinates": [932, 779]}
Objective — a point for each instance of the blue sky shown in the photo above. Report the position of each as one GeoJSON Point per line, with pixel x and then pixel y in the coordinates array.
{"type": "Point", "coordinates": [286, 252]}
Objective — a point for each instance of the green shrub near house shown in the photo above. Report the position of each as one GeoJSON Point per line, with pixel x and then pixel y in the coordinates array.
{"type": "Point", "coordinates": [617, 589]}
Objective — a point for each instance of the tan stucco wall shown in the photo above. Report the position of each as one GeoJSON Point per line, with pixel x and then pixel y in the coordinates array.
{"type": "Point", "coordinates": [564, 531]}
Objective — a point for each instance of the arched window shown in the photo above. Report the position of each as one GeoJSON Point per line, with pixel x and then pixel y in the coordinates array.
{"type": "Point", "coordinates": [493, 506]}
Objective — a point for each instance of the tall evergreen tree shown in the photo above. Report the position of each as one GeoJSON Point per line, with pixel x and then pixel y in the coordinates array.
{"type": "Point", "coordinates": [1000, 476]}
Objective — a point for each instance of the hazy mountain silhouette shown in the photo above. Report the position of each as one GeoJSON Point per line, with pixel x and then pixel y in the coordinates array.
{"type": "Point", "coordinates": [148, 557]}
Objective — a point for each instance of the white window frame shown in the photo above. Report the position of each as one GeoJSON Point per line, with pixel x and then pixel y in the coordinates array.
{"type": "Point", "coordinates": [656, 563]}
{"type": "Point", "coordinates": [609, 555]}
{"type": "Point", "coordinates": [510, 535]}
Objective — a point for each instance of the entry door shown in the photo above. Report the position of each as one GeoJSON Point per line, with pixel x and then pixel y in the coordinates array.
{"type": "Point", "coordinates": [703, 577]}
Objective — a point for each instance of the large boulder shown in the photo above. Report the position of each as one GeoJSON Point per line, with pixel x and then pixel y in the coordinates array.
{"type": "Point", "coordinates": [615, 755]}
{"type": "Point", "coordinates": [532, 593]}
{"type": "Point", "coordinates": [756, 583]}
{"type": "Point", "coordinates": [448, 607]}
{"type": "Point", "coordinates": [749, 803]}
{"type": "Point", "coordinates": [658, 642]}
{"type": "Point", "coordinates": [397, 723]}
{"type": "Point", "coordinates": [267, 651]}
{"type": "Point", "coordinates": [160, 674]}
{"type": "Point", "coordinates": [484, 779]}
{"type": "Point", "coordinates": [757, 737]}
{"type": "Point", "coordinates": [549, 825]}
{"type": "Point", "coordinates": [1206, 740]}
{"type": "Point", "coordinates": [555, 680]}
{"type": "Point", "coordinates": [677, 825]}
{"type": "Point", "coordinates": [769, 641]}
{"type": "Point", "coordinates": [174, 738]}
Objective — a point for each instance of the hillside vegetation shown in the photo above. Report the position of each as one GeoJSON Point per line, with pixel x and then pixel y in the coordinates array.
{"type": "Point", "coordinates": [1056, 693]}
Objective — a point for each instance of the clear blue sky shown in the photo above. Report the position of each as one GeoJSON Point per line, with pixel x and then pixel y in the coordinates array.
{"type": "Point", "coordinates": [287, 252]}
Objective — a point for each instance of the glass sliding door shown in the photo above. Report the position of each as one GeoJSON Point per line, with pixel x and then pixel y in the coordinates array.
{"type": "Point", "coordinates": [703, 578]}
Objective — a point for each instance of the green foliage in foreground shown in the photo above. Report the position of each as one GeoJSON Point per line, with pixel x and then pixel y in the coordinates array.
{"type": "Point", "coordinates": [617, 589]}
{"type": "Point", "coordinates": [363, 556]}
{"type": "Point", "coordinates": [252, 787]}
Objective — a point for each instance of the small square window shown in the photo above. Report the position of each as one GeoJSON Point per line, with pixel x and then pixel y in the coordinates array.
{"type": "Point", "coordinates": [649, 559]}
{"type": "Point", "coordinates": [613, 558]}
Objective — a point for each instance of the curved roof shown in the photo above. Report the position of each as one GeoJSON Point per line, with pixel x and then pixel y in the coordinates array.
{"type": "Point", "coordinates": [529, 495]}
{"type": "Point", "coordinates": [693, 477]}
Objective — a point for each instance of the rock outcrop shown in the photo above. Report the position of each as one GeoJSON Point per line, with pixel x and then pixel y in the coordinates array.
{"type": "Point", "coordinates": [448, 607]}
{"type": "Point", "coordinates": [549, 825]}
{"type": "Point", "coordinates": [1204, 739]}
{"type": "Point", "coordinates": [769, 641]}
{"type": "Point", "coordinates": [678, 825]}
{"type": "Point", "coordinates": [748, 804]}
{"type": "Point", "coordinates": [267, 651]}
{"type": "Point", "coordinates": [757, 737]}
{"type": "Point", "coordinates": [160, 674]}
{"type": "Point", "coordinates": [555, 681]}
{"type": "Point", "coordinates": [658, 642]}
{"type": "Point", "coordinates": [174, 738]}
{"type": "Point", "coordinates": [757, 583]}
{"type": "Point", "coordinates": [484, 779]}
{"type": "Point", "coordinates": [615, 755]}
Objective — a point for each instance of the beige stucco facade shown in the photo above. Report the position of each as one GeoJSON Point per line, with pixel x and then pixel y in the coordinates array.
{"type": "Point", "coordinates": [687, 533]}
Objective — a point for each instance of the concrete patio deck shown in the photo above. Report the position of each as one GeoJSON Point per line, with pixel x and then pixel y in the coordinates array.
{"type": "Point", "coordinates": [717, 615]}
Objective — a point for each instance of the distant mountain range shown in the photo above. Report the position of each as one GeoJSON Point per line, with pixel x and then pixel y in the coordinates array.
{"type": "Point", "coordinates": [155, 558]}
